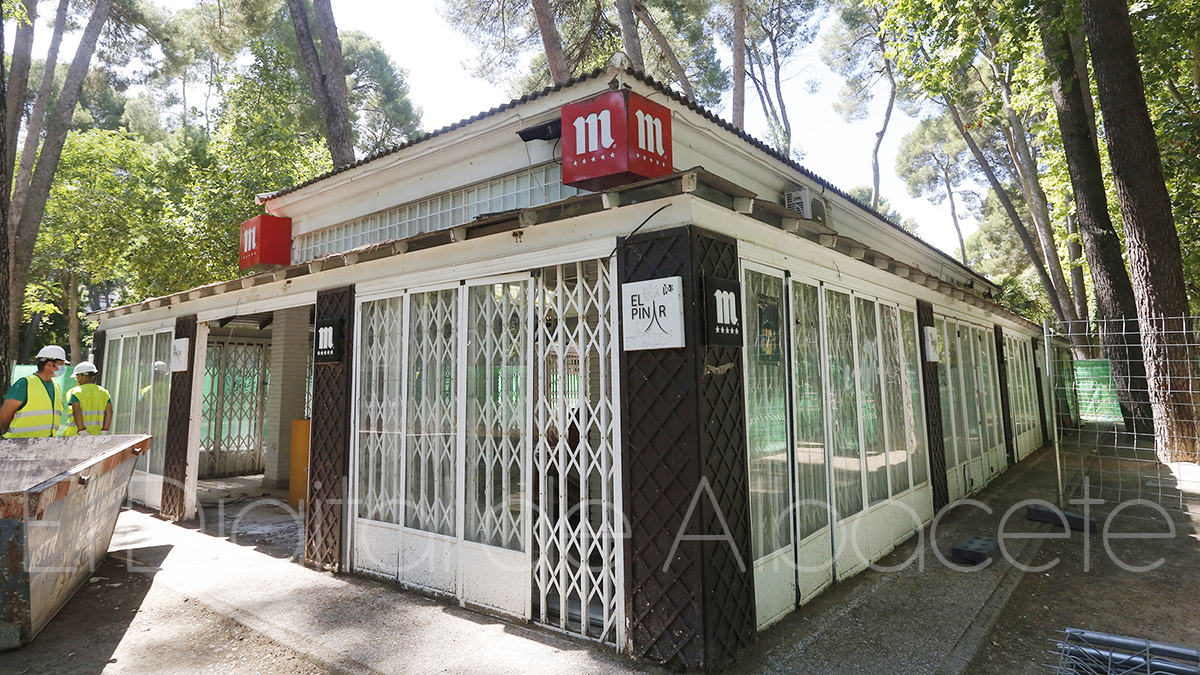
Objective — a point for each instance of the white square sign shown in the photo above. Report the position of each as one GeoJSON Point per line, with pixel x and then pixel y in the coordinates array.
{"type": "Point", "coordinates": [652, 314]}
{"type": "Point", "coordinates": [179, 355]}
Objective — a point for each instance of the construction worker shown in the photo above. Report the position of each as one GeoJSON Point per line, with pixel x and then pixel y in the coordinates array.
{"type": "Point", "coordinates": [89, 406]}
{"type": "Point", "coordinates": [33, 405]}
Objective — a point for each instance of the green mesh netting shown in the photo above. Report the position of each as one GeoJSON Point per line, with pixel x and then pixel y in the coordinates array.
{"type": "Point", "coordinates": [1097, 391]}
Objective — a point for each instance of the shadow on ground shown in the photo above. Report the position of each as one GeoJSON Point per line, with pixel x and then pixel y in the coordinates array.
{"type": "Point", "coordinates": [86, 632]}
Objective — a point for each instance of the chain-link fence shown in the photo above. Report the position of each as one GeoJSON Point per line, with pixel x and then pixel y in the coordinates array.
{"type": "Point", "coordinates": [1103, 417]}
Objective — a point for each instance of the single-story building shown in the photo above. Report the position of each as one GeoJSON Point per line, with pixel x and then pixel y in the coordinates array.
{"type": "Point", "coordinates": [594, 359]}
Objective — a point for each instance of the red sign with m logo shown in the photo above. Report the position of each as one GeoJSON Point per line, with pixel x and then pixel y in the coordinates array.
{"type": "Point", "coordinates": [616, 138]}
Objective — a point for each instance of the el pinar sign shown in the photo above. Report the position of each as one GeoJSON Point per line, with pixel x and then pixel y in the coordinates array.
{"type": "Point", "coordinates": [266, 240]}
{"type": "Point", "coordinates": [613, 139]}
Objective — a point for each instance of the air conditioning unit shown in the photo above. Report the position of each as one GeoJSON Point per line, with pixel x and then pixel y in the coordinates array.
{"type": "Point", "coordinates": [804, 202]}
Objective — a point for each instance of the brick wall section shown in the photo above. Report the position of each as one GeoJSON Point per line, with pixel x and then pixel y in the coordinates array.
{"type": "Point", "coordinates": [288, 390]}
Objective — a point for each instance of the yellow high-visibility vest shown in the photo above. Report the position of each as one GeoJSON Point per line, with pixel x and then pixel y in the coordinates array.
{"type": "Point", "coordinates": [39, 416]}
{"type": "Point", "coordinates": [93, 399]}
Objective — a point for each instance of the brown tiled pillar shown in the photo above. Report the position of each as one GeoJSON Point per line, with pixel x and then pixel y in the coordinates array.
{"type": "Point", "coordinates": [690, 600]}
{"type": "Point", "coordinates": [1010, 446]}
{"type": "Point", "coordinates": [179, 422]}
{"type": "Point", "coordinates": [933, 412]}
{"type": "Point", "coordinates": [99, 341]}
{"type": "Point", "coordinates": [1041, 393]}
{"type": "Point", "coordinates": [329, 444]}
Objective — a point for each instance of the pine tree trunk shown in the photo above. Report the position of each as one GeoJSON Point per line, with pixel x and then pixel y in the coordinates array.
{"type": "Point", "coordinates": [887, 118]}
{"type": "Point", "coordinates": [661, 41]}
{"type": "Point", "coordinates": [1014, 217]}
{"type": "Point", "coordinates": [551, 42]}
{"type": "Point", "coordinates": [37, 118]}
{"type": "Point", "coordinates": [18, 79]}
{"type": "Point", "coordinates": [33, 204]}
{"type": "Point", "coordinates": [6, 341]}
{"type": "Point", "coordinates": [1155, 260]}
{"type": "Point", "coordinates": [341, 132]}
{"type": "Point", "coordinates": [739, 63]}
{"type": "Point", "coordinates": [1115, 303]}
{"type": "Point", "coordinates": [73, 317]}
{"type": "Point", "coordinates": [630, 39]}
{"type": "Point", "coordinates": [962, 244]}
{"type": "Point", "coordinates": [324, 77]}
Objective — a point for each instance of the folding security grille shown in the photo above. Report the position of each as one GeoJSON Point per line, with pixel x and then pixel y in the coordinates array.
{"type": "Point", "coordinates": [576, 544]}
{"type": "Point", "coordinates": [381, 359]}
{"type": "Point", "coordinates": [497, 405]}
{"type": "Point", "coordinates": [234, 409]}
{"type": "Point", "coordinates": [432, 406]}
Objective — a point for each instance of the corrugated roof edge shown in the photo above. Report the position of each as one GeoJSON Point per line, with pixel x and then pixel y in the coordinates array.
{"type": "Point", "coordinates": [664, 89]}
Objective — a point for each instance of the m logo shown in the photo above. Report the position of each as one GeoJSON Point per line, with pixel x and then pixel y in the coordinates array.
{"type": "Point", "coordinates": [249, 239]}
{"type": "Point", "coordinates": [619, 137]}
{"type": "Point", "coordinates": [593, 132]}
{"type": "Point", "coordinates": [329, 338]}
{"type": "Point", "coordinates": [723, 312]}
{"type": "Point", "coordinates": [727, 314]}
{"type": "Point", "coordinates": [650, 133]}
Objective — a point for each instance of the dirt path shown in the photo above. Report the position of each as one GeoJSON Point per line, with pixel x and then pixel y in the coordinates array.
{"type": "Point", "coordinates": [123, 623]}
{"type": "Point", "coordinates": [1161, 605]}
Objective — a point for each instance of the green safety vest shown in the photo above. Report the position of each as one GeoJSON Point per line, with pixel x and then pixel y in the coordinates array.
{"type": "Point", "coordinates": [39, 416]}
{"type": "Point", "coordinates": [93, 399]}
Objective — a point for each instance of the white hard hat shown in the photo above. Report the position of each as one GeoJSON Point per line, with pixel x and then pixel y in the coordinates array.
{"type": "Point", "coordinates": [52, 352]}
{"type": "Point", "coordinates": [85, 367]}
{"type": "Point", "coordinates": [161, 366]}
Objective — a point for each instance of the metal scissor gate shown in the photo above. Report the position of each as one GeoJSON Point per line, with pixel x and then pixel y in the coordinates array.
{"type": "Point", "coordinates": [234, 408]}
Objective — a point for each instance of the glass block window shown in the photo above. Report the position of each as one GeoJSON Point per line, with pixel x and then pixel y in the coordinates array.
{"type": "Point", "coordinates": [523, 189]}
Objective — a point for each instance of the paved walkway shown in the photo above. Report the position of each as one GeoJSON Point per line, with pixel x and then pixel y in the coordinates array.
{"type": "Point", "coordinates": [924, 618]}
{"type": "Point", "coordinates": [353, 624]}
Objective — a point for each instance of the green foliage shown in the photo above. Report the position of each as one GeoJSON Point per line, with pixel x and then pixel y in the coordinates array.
{"type": "Point", "coordinates": [104, 190]}
{"type": "Point", "coordinates": [506, 34]}
{"type": "Point", "coordinates": [262, 143]}
{"type": "Point", "coordinates": [856, 48]}
{"type": "Point", "coordinates": [862, 194]}
{"type": "Point", "coordinates": [995, 251]}
{"type": "Point", "coordinates": [931, 155]}
{"type": "Point", "coordinates": [379, 95]}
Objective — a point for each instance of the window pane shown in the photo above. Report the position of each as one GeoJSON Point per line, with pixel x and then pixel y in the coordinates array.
{"type": "Point", "coordinates": [944, 389]}
{"type": "Point", "coordinates": [898, 400]}
{"type": "Point", "coordinates": [812, 512]}
{"type": "Point", "coordinates": [871, 405]}
{"type": "Point", "coordinates": [914, 426]}
{"type": "Point", "coordinates": [972, 390]}
{"type": "Point", "coordinates": [161, 400]}
{"type": "Point", "coordinates": [766, 415]}
{"type": "Point", "coordinates": [843, 406]}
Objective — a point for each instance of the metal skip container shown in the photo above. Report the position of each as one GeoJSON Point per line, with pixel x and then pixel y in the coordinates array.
{"type": "Point", "coordinates": [59, 501]}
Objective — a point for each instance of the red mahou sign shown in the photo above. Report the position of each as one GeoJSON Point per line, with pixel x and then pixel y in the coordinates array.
{"type": "Point", "coordinates": [266, 240]}
{"type": "Point", "coordinates": [616, 138]}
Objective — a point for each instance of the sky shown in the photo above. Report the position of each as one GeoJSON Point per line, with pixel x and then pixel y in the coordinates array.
{"type": "Point", "coordinates": [420, 42]}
